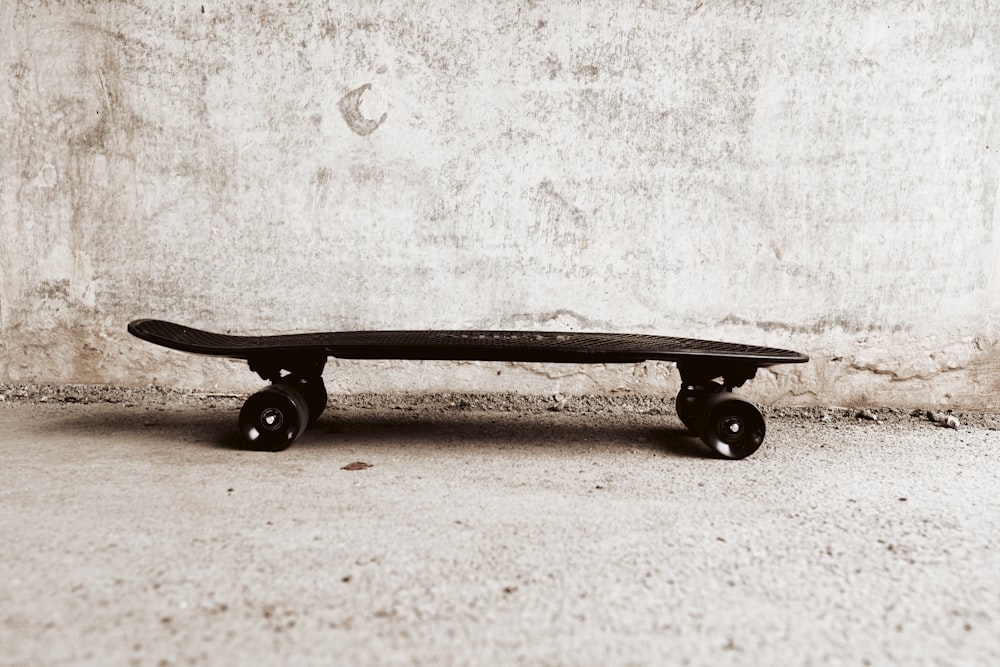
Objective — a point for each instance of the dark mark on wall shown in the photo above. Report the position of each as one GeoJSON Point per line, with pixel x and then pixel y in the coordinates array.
{"type": "Point", "coordinates": [819, 326]}
{"type": "Point", "coordinates": [320, 184]}
{"type": "Point", "coordinates": [363, 109]}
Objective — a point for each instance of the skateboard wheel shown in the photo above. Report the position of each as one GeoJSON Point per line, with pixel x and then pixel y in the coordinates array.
{"type": "Point", "coordinates": [271, 419]}
{"type": "Point", "coordinates": [314, 393]}
{"type": "Point", "coordinates": [689, 401]}
{"type": "Point", "coordinates": [316, 397]}
{"type": "Point", "coordinates": [732, 427]}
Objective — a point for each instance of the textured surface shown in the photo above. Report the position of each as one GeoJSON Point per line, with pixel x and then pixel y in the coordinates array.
{"type": "Point", "coordinates": [539, 538]}
{"type": "Point", "coordinates": [808, 175]}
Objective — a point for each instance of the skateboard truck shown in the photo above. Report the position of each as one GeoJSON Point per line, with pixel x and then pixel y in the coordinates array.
{"type": "Point", "coordinates": [700, 372]}
{"type": "Point", "coordinates": [293, 364]}
{"type": "Point", "coordinates": [730, 425]}
{"type": "Point", "coordinates": [274, 417]}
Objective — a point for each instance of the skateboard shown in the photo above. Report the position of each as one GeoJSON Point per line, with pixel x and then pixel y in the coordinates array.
{"type": "Point", "coordinates": [293, 364]}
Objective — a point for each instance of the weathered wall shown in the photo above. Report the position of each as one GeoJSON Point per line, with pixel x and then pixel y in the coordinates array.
{"type": "Point", "coordinates": [821, 176]}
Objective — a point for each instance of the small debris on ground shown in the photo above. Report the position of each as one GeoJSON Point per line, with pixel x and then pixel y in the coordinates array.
{"type": "Point", "coordinates": [867, 414]}
{"type": "Point", "coordinates": [943, 419]}
{"type": "Point", "coordinates": [561, 403]}
{"type": "Point", "coordinates": [357, 465]}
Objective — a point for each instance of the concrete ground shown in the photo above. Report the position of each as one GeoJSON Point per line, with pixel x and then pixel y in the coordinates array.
{"type": "Point", "coordinates": [491, 533]}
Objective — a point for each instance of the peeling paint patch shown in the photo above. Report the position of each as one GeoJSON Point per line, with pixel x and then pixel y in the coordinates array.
{"type": "Point", "coordinates": [364, 109]}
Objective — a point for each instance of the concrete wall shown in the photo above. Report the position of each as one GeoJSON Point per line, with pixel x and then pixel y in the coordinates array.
{"type": "Point", "coordinates": [821, 176]}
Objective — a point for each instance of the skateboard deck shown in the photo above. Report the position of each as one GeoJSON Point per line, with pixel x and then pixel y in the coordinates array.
{"type": "Point", "coordinates": [293, 363]}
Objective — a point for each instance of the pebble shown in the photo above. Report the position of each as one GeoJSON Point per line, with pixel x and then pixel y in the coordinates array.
{"type": "Point", "coordinates": [562, 403]}
{"type": "Point", "coordinates": [941, 419]}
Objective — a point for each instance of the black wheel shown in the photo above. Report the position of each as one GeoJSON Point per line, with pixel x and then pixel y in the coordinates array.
{"type": "Point", "coordinates": [313, 391]}
{"type": "Point", "coordinates": [689, 401]}
{"type": "Point", "coordinates": [271, 419]}
{"type": "Point", "coordinates": [732, 427]}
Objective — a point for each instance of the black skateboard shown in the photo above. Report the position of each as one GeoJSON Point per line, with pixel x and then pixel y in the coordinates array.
{"type": "Point", "coordinates": [272, 418]}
